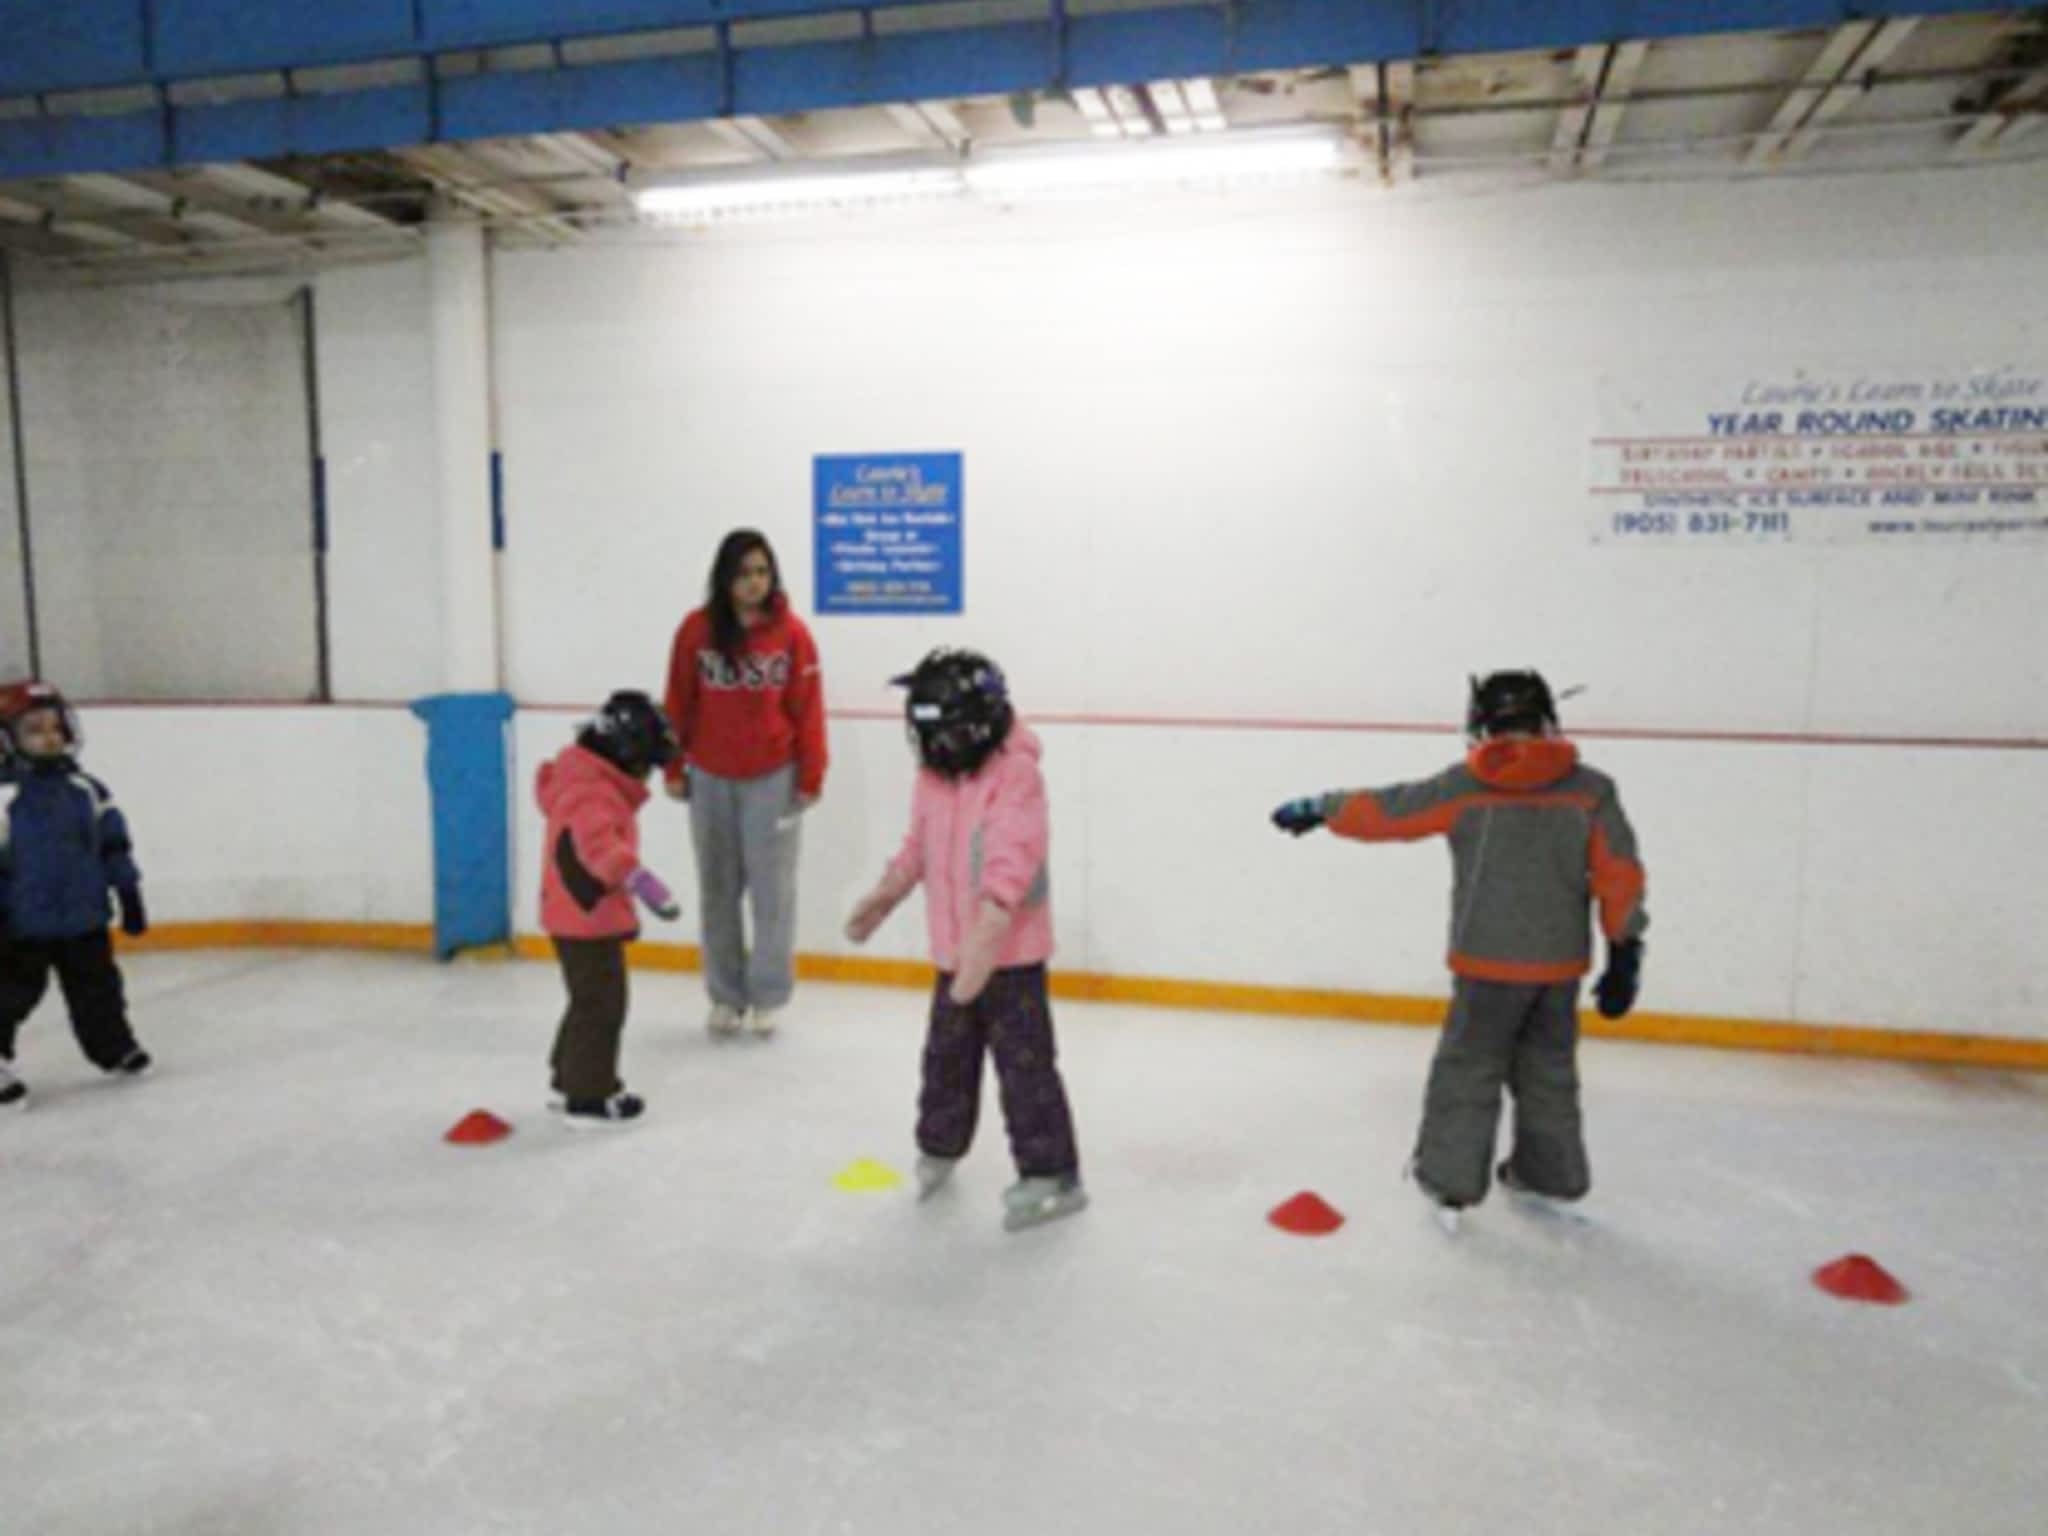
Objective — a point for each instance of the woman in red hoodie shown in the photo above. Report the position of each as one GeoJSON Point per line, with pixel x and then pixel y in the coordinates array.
{"type": "Point", "coordinates": [591, 794]}
{"type": "Point", "coordinates": [748, 706]}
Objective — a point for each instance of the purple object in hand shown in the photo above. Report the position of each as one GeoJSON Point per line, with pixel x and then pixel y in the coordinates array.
{"type": "Point", "coordinates": [654, 894]}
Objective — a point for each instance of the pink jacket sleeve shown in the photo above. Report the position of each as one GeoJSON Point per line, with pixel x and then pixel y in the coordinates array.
{"type": "Point", "coordinates": [1017, 835]}
{"type": "Point", "coordinates": [907, 868]}
{"type": "Point", "coordinates": [608, 846]}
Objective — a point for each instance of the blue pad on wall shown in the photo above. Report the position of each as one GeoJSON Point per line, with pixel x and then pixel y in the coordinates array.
{"type": "Point", "coordinates": [468, 773]}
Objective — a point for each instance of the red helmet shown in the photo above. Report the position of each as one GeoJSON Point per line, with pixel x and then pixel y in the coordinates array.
{"type": "Point", "coordinates": [19, 700]}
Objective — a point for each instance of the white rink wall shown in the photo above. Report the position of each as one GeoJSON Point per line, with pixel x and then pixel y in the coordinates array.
{"type": "Point", "coordinates": [290, 814]}
{"type": "Point", "coordinates": [1820, 903]}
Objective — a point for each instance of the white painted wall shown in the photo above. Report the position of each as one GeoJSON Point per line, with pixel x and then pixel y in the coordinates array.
{"type": "Point", "coordinates": [165, 431]}
{"type": "Point", "coordinates": [14, 647]}
{"type": "Point", "coordinates": [377, 432]}
{"type": "Point", "coordinates": [1296, 453]}
{"type": "Point", "coordinates": [1293, 454]}
{"type": "Point", "coordinates": [237, 396]}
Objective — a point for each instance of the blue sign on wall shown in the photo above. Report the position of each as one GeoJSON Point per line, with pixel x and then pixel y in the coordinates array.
{"type": "Point", "coordinates": [888, 533]}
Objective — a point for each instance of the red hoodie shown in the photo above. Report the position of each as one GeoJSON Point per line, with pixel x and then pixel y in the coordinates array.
{"type": "Point", "coordinates": [748, 717]}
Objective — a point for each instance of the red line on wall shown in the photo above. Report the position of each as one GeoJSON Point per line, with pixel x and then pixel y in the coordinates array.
{"type": "Point", "coordinates": [1423, 728]}
{"type": "Point", "coordinates": [1238, 723]}
{"type": "Point", "coordinates": [1764, 489]}
{"type": "Point", "coordinates": [1832, 437]}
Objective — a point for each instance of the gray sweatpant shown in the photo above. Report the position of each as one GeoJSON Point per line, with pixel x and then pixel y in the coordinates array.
{"type": "Point", "coordinates": [746, 833]}
{"type": "Point", "coordinates": [1523, 1037]}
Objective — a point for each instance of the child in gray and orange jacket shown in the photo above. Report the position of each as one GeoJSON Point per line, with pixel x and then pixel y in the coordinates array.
{"type": "Point", "coordinates": [1538, 840]}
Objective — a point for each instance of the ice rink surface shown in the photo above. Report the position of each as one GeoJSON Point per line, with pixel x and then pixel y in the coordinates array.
{"type": "Point", "coordinates": [256, 1293]}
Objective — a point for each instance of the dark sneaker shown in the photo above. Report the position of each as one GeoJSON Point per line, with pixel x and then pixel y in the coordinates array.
{"type": "Point", "coordinates": [621, 1108]}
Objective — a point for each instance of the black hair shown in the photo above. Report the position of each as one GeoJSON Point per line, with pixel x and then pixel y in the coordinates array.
{"type": "Point", "coordinates": [728, 634]}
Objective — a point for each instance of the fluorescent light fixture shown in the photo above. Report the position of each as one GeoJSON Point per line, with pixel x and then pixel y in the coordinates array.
{"type": "Point", "coordinates": [1202, 159]}
{"type": "Point", "coordinates": [1100, 120]}
{"type": "Point", "coordinates": [1130, 112]}
{"type": "Point", "coordinates": [1207, 109]}
{"type": "Point", "coordinates": [795, 190]}
{"type": "Point", "coordinates": [1173, 107]}
{"type": "Point", "coordinates": [1229, 157]}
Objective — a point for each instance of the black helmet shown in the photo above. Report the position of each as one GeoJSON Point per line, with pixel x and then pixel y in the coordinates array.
{"type": "Point", "coordinates": [958, 711]}
{"type": "Point", "coordinates": [20, 700]}
{"type": "Point", "coordinates": [1510, 701]}
{"type": "Point", "coordinates": [631, 733]}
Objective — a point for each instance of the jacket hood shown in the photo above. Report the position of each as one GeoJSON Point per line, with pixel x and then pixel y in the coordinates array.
{"type": "Point", "coordinates": [576, 769]}
{"type": "Point", "coordinates": [1522, 762]}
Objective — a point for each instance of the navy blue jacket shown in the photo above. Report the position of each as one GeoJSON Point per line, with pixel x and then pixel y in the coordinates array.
{"type": "Point", "coordinates": [63, 850]}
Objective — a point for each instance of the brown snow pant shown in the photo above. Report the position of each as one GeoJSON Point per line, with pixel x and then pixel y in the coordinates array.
{"type": "Point", "coordinates": [586, 1054]}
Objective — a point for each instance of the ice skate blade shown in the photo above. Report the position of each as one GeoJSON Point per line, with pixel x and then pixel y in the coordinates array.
{"type": "Point", "coordinates": [1071, 1203]}
{"type": "Point", "coordinates": [1543, 1208]}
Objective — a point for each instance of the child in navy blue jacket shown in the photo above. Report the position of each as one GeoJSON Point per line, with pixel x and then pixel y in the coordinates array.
{"type": "Point", "coordinates": [63, 851]}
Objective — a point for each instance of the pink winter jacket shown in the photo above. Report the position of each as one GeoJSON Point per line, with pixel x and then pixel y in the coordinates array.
{"type": "Point", "coordinates": [985, 836]}
{"type": "Point", "coordinates": [592, 844]}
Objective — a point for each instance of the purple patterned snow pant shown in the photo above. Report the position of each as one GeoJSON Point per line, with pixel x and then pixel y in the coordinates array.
{"type": "Point", "coordinates": [1013, 1019]}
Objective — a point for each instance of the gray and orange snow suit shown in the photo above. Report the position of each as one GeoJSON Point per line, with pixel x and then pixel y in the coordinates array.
{"type": "Point", "coordinates": [1538, 843]}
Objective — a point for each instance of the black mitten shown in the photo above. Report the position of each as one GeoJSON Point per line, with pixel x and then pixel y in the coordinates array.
{"type": "Point", "coordinates": [1615, 992]}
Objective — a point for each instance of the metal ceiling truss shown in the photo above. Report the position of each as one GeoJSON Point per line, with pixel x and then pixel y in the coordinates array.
{"type": "Point", "coordinates": [115, 85]}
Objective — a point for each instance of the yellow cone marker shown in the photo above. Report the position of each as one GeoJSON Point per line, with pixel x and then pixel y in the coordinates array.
{"type": "Point", "coordinates": [865, 1176]}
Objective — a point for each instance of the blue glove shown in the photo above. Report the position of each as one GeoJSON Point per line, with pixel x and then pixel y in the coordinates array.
{"type": "Point", "coordinates": [1615, 992]}
{"type": "Point", "coordinates": [1304, 815]}
{"type": "Point", "coordinates": [134, 919]}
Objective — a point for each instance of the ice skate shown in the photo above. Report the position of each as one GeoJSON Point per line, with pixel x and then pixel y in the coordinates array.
{"type": "Point", "coordinates": [134, 1064]}
{"type": "Point", "coordinates": [1032, 1202]}
{"type": "Point", "coordinates": [12, 1089]}
{"type": "Point", "coordinates": [1448, 1214]}
{"type": "Point", "coordinates": [763, 1022]}
{"type": "Point", "coordinates": [724, 1022]}
{"type": "Point", "coordinates": [619, 1109]}
{"type": "Point", "coordinates": [933, 1174]}
{"type": "Point", "coordinates": [1556, 1209]}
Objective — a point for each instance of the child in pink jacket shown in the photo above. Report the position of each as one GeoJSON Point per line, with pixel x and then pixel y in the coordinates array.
{"type": "Point", "coordinates": [978, 841]}
{"type": "Point", "coordinates": [590, 874]}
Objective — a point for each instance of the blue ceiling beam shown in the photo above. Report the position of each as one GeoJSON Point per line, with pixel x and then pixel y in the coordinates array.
{"type": "Point", "coordinates": [300, 125]}
{"type": "Point", "coordinates": [62, 47]}
{"type": "Point", "coordinates": [493, 23]}
{"type": "Point", "coordinates": [72, 146]}
{"type": "Point", "coordinates": [219, 37]}
{"type": "Point", "coordinates": [48, 47]}
{"type": "Point", "coordinates": [683, 89]}
{"type": "Point", "coordinates": [1503, 26]}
